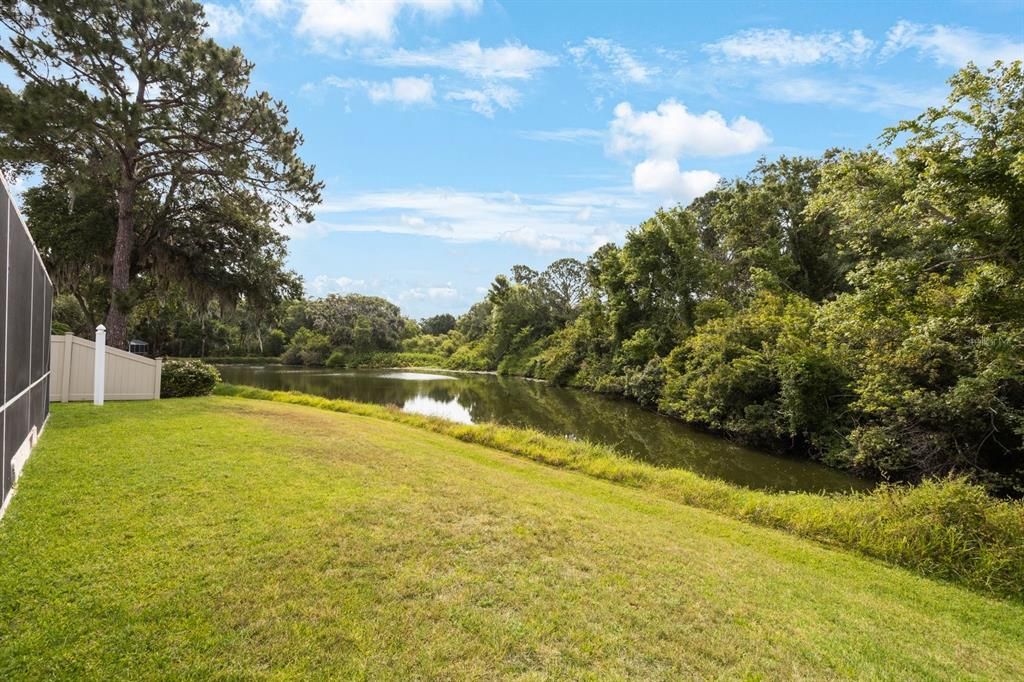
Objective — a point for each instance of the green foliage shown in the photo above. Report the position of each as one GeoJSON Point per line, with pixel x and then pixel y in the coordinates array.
{"type": "Point", "coordinates": [307, 347]}
{"type": "Point", "coordinates": [68, 313]}
{"type": "Point", "coordinates": [645, 384]}
{"type": "Point", "coordinates": [426, 343]}
{"type": "Point", "coordinates": [560, 360]}
{"type": "Point", "coordinates": [182, 168]}
{"type": "Point", "coordinates": [733, 372]}
{"type": "Point", "coordinates": [336, 359]}
{"type": "Point", "coordinates": [438, 325]}
{"type": "Point", "coordinates": [864, 308]}
{"type": "Point", "coordinates": [275, 342]}
{"type": "Point", "coordinates": [243, 360]}
{"type": "Point", "coordinates": [472, 356]}
{"type": "Point", "coordinates": [357, 323]}
{"type": "Point", "coordinates": [187, 378]}
{"type": "Point", "coordinates": [385, 360]}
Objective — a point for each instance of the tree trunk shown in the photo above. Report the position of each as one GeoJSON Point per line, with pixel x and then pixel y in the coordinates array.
{"type": "Point", "coordinates": [117, 316]}
{"type": "Point", "coordinates": [90, 316]}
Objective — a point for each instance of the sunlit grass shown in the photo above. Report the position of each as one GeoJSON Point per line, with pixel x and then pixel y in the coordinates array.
{"type": "Point", "coordinates": [199, 538]}
{"type": "Point", "coordinates": [948, 529]}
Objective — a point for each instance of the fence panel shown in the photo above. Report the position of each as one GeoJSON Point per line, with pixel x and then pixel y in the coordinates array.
{"type": "Point", "coordinates": [127, 377]}
{"type": "Point", "coordinates": [26, 297]}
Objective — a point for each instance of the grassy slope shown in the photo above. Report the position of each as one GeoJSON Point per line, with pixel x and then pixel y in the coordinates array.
{"type": "Point", "coordinates": [945, 529]}
{"type": "Point", "coordinates": [221, 536]}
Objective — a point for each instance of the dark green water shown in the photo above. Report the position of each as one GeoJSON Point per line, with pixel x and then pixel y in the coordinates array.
{"type": "Point", "coordinates": [476, 398]}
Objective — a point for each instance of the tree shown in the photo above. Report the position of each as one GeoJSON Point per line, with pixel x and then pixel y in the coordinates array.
{"type": "Point", "coordinates": [438, 324]}
{"type": "Point", "coordinates": [132, 93]}
{"type": "Point", "coordinates": [762, 222]}
{"type": "Point", "coordinates": [357, 322]}
{"type": "Point", "coordinates": [933, 331]}
{"type": "Point", "coordinates": [565, 285]}
{"type": "Point", "coordinates": [76, 245]}
{"type": "Point", "coordinates": [218, 250]}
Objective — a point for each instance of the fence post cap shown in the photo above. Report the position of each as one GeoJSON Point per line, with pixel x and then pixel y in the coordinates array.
{"type": "Point", "coordinates": [69, 333]}
{"type": "Point", "coordinates": [100, 328]}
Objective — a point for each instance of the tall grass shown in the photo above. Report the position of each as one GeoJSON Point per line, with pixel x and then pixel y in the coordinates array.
{"type": "Point", "coordinates": [948, 529]}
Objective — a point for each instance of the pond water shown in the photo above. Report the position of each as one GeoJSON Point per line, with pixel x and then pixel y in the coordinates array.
{"type": "Point", "coordinates": [476, 398]}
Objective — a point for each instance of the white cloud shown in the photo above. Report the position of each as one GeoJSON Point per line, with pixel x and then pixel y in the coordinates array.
{"type": "Point", "coordinates": [484, 100]}
{"type": "Point", "coordinates": [621, 62]}
{"type": "Point", "coordinates": [510, 61]}
{"type": "Point", "coordinates": [572, 135]}
{"type": "Point", "coordinates": [432, 293]}
{"type": "Point", "coordinates": [369, 20]}
{"type": "Point", "coordinates": [406, 90]}
{"type": "Point", "coordinates": [671, 130]}
{"type": "Point", "coordinates": [663, 177]}
{"type": "Point", "coordinates": [780, 46]}
{"type": "Point", "coordinates": [951, 45]}
{"type": "Point", "coordinates": [321, 285]}
{"type": "Point", "coordinates": [268, 8]}
{"type": "Point", "coordinates": [403, 90]}
{"type": "Point", "coordinates": [575, 221]}
{"type": "Point", "coordinates": [223, 23]}
{"type": "Point", "coordinates": [861, 94]}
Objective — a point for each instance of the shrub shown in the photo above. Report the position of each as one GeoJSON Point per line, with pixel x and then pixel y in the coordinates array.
{"type": "Point", "coordinates": [383, 360]}
{"type": "Point", "coordinates": [275, 343]}
{"type": "Point", "coordinates": [337, 359]}
{"type": "Point", "coordinates": [471, 357]}
{"type": "Point", "coordinates": [187, 378]}
{"type": "Point", "coordinates": [241, 360]}
{"type": "Point", "coordinates": [644, 384]}
{"type": "Point", "coordinates": [560, 359]}
{"type": "Point", "coordinates": [307, 348]}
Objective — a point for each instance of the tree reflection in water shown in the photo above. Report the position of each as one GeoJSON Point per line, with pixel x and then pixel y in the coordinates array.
{"type": "Point", "coordinates": [623, 425]}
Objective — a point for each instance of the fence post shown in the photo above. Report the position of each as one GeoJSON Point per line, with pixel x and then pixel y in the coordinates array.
{"type": "Point", "coordinates": [158, 368]}
{"type": "Point", "coordinates": [99, 365]}
{"type": "Point", "coordinates": [65, 379]}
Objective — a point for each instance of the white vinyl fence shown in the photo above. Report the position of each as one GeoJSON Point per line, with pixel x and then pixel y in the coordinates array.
{"type": "Point", "coordinates": [74, 366]}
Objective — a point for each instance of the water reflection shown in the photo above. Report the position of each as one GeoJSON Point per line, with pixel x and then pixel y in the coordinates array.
{"type": "Point", "coordinates": [477, 398]}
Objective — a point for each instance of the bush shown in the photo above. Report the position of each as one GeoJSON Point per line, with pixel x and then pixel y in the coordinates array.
{"type": "Point", "coordinates": [644, 384]}
{"type": "Point", "coordinates": [187, 378]}
{"type": "Point", "coordinates": [307, 348]}
{"type": "Point", "coordinates": [240, 360]}
{"type": "Point", "coordinates": [275, 343]}
{"type": "Point", "coordinates": [338, 358]}
{"type": "Point", "coordinates": [471, 357]}
{"type": "Point", "coordinates": [382, 360]}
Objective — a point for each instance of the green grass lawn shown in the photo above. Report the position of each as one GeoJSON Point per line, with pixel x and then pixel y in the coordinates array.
{"type": "Point", "coordinates": [237, 538]}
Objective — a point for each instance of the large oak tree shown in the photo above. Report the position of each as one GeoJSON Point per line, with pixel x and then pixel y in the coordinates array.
{"type": "Point", "coordinates": [132, 91]}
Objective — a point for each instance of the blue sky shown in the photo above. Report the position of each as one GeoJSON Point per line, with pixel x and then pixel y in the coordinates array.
{"type": "Point", "coordinates": [459, 137]}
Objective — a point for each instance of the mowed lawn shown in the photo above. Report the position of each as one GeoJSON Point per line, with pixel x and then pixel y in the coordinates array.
{"type": "Point", "coordinates": [225, 537]}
